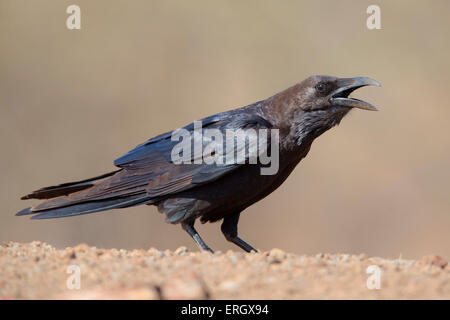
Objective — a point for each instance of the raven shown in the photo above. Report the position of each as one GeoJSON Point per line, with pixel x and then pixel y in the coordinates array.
{"type": "Point", "coordinates": [211, 191]}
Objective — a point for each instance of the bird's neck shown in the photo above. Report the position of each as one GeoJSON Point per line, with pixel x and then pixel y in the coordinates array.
{"type": "Point", "coordinates": [307, 126]}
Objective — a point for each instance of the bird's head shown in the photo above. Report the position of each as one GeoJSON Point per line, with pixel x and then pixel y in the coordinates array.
{"type": "Point", "coordinates": [320, 102]}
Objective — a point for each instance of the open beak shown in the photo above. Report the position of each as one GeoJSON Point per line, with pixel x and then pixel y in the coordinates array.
{"type": "Point", "coordinates": [346, 86]}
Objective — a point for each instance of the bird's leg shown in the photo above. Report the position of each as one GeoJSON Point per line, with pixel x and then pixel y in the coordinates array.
{"type": "Point", "coordinates": [189, 227]}
{"type": "Point", "coordinates": [229, 230]}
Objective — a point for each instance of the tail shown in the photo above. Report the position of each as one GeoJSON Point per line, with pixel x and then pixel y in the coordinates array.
{"type": "Point", "coordinates": [86, 196]}
{"type": "Point", "coordinates": [66, 188]}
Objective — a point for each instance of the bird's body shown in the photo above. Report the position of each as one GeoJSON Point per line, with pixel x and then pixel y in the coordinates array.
{"type": "Point", "coordinates": [210, 191]}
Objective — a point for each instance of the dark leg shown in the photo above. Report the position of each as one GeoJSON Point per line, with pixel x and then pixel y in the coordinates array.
{"type": "Point", "coordinates": [229, 230]}
{"type": "Point", "coordinates": [189, 227]}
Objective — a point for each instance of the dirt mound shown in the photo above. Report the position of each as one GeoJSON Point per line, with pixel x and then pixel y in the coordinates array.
{"type": "Point", "coordinates": [38, 270]}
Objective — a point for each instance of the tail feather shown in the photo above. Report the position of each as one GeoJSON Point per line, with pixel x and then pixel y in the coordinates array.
{"type": "Point", "coordinates": [89, 207]}
{"type": "Point", "coordinates": [66, 188]}
{"type": "Point", "coordinates": [109, 191]}
{"type": "Point", "coordinates": [25, 212]}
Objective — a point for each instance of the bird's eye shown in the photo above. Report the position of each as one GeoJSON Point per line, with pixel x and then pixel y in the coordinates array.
{"type": "Point", "coordinates": [320, 87]}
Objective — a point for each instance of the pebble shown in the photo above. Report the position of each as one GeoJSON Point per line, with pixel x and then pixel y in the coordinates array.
{"type": "Point", "coordinates": [181, 251]}
{"type": "Point", "coordinates": [276, 255]}
{"type": "Point", "coordinates": [230, 285]}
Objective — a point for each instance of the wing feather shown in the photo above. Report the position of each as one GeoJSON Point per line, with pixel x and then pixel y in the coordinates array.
{"type": "Point", "coordinates": [148, 168]}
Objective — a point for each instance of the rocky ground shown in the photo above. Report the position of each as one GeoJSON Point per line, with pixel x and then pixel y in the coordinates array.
{"type": "Point", "coordinates": [39, 271]}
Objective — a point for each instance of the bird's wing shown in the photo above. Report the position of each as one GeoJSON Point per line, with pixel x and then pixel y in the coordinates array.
{"type": "Point", "coordinates": [159, 144]}
{"type": "Point", "coordinates": [154, 158]}
{"type": "Point", "coordinates": [149, 169]}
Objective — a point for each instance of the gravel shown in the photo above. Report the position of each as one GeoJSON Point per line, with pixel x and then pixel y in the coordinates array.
{"type": "Point", "coordinates": [37, 270]}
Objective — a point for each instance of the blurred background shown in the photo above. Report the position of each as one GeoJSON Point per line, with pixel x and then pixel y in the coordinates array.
{"type": "Point", "coordinates": [71, 101]}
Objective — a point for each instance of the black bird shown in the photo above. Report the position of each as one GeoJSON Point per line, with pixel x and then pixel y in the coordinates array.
{"type": "Point", "coordinates": [211, 191]}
